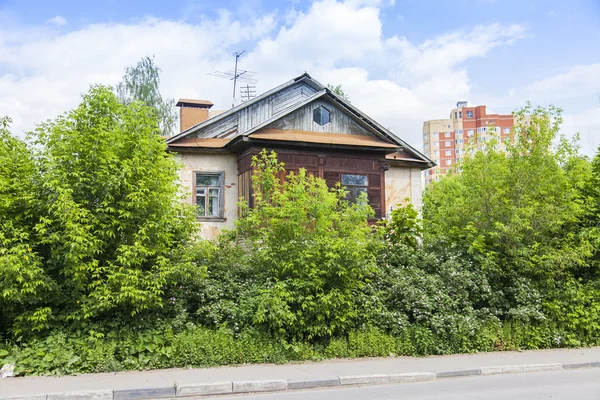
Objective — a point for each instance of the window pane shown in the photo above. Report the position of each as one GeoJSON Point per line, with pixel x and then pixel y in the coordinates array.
{"type": "Point", "coordinates": [201, 203]}
{"type": "Point", "coordinates": [207, 180]}
{"type": "Point", "coordinates": [350, 194]}
{"type": "Point", "coordinates": [213, 203]}
{"type": "Point", "coordinates": [355, 180]}
{"type": "Point", "coordinates": [324, 116]}
{"type": "Point", "coordinates": [360, 191]}
{"type": "Point", "coordinates": [321, 115]}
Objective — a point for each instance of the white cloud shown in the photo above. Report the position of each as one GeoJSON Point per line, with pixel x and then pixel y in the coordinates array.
{"type": "Point", "coordinates": [58, 21]}
{"type": "Point", "coordinates": [575, 90]}
{"type": "Point", "coordinates": [576, 81]}
{"type": "Point", "coordinates": [396, 81]}
{"type": "Point", "coordinates": [587, 124]}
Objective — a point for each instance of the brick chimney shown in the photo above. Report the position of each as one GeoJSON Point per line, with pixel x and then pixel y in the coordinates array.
{"type": "Point", "coordinates": [192, 112]}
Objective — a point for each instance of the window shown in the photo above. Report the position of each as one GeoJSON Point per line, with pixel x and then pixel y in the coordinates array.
{"type": "Point", "coordinates": [425, 137]}
{"type": "Point", "coordinates": [448, 126]}
{"type": "Point", "coordinates": [321, 115]}
{"type": "Point", "coordinates": [469, 113]}
{"type": "Point", "coordinates": [448, 162]}
{"type": "Point", "coordinates": [460, 114]}
{"type": "Point", "coordinates": [208, 190]}
{"type": "Point", "coordinates": [457, 151]}
{"type": "Point", "coordinates": [459, 141]}
{"type": "Point", "coordinates": [426, 146]}
{"type": "Point", "coordinates": [436, 144]}
{"type": "Point", "coordinates": [506, 130]}
{"type": "Point", "coordinates": [470, 132]}
{"type": "Point", "coordinates": [460, 132]}
{"type": "Point", "coordinates": [435, 134]}
{"type": "Point", "coordinates": [436, 153]}
{"type": "Point", "coordinates": [448, 143]}
{"type": "Point", "coordinates": [447, 134]}
{"type": "Point", "coordinates": [355, 185]}
{"type": "Point", "coordinates": [448, 152]}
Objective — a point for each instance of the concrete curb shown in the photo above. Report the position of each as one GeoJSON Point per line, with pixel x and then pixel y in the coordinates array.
{"type": "Point", "coordinates": [253, 386]}
{"type": "Point", "coordinates": [458, 373]}
{"type": "Point", "coordinates": [148, 393]}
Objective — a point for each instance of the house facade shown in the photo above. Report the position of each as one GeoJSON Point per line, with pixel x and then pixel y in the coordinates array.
{"type": "Point", "coordinates": [309, 127]}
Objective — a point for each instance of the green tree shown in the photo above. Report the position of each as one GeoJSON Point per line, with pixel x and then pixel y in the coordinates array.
{"type": "Point", "coordinates": [339, 90]}
{"type": "Point", "coordinates": [314, 247]}
{"type": "Point", "coordinates": [142, 83]}
{"type": "Point", "coordinates": [23, 281]}
{"type": "Point", "coordinates": [113, 230]}
{"type": "Point", "coordinates": [515, 213]}
{"type": "Point", "coordinates": [404, 226]}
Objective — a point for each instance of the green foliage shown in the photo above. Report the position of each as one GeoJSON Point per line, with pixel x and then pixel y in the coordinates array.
{"type": "Point", "coordinates": [515, 214]}
{"type": "Point", "coordinates": [99, 270]}
{"type": "Point", "coordinates": [314, 247]}
{"type": "Point", "coordinates": [404, 226]}
{"type": "Point", "coordinates": [92, 220]}
{"type": "Point", "coordinates": [112, 246]}
{"type": "Point", "coordinates": [339, 90]}
{"type": "Point", "coordinates": [23, 282]}
{"type": "Point", "coordinates": [142, 83]}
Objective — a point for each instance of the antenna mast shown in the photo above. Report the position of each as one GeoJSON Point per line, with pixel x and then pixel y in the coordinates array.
{"type": "Point", "coordinates": [237, 75]}
{"type": "Point", "coordinates": [247, 92]}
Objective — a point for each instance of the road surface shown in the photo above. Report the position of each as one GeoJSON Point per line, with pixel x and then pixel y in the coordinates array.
{"type": "Point", "coordinates": [581, 384]}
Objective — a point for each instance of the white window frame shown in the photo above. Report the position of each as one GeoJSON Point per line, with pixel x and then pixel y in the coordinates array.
{"type": "Point", "coordinates": [220, 187]}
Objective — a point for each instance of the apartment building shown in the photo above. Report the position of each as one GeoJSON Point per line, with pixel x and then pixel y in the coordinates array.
{"type": "Point", "coordinates": [445, 141]}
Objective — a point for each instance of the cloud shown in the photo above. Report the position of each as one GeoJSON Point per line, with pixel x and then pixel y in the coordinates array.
{"type": "Point", "coordinates": [575, 90]}
{"type": "Point", "coordinates": [587, 124]}
{"type": "Point", "coordinates": [58, 21]}
{"type": "Point", "coordinates": [577, 81]}
{"type": "Point", "coordinates": [398, 82]}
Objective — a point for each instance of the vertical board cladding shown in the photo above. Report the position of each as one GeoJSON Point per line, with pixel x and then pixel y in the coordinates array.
{"type": "Point", "coordinates": [257, 113]}
{"type": "Point", "coordinates": [245, 187]}
{"type": "Point", "coordinates": [302, 120]}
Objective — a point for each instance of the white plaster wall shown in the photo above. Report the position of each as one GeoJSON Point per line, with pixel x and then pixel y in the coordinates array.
{"type": "Point", "coordinates": [402, 183]}
{"type": "Point", "coordinates": [212, 162]}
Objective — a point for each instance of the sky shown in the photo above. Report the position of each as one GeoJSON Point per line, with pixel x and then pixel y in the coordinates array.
{"type": "Point", "coordinates": [402, 62]}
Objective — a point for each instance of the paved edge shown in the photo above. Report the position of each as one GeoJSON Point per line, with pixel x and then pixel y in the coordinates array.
{"type": "Point", "coordinates": [253, 386]}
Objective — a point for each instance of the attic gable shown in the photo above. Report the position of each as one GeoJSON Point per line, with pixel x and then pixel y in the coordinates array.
{"type": "Point", "coordinates": [244, 116]}
{"type": "Point", "coordinates": [290, 107]}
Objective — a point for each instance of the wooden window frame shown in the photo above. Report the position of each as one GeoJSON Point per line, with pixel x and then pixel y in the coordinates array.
{"type": "Point", "coordinates": [352, 188]}
{"type": "Point", "coordinates": [221, 176]}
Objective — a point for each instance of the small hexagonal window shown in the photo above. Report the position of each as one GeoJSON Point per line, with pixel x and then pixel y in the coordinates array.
{"type": "Point", "coordinates": [321, 115]}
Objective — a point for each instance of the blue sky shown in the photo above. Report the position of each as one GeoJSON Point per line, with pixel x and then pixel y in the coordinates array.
{"type": "Point", "coordinates": [402, 61]}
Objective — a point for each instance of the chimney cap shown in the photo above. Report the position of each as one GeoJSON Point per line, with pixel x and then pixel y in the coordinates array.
{"type": "Point", "coordinates": [194, 103]}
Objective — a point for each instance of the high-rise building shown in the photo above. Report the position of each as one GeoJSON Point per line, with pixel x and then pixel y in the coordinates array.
{"type": "Point", "coordinates": [445, 141]}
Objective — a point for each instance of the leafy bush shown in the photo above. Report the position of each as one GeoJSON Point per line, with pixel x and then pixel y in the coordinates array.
{"type": "Point", "coordinates": [92, 222]}
{"type": "Point", "coordinates": [313, 246]}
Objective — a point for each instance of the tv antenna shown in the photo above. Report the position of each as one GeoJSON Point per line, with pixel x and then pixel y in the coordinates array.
{"type": "Point", "coordinates": [247, 92]}
{"type": "Point", "coordinates": [236, 75]}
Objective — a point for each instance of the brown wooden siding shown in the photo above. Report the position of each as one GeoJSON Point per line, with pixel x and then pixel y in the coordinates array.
{"type": "Point", "coordinates": [329, 165]}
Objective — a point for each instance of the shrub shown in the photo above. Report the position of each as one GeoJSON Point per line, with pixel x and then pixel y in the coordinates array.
{"type": "Point", "coordinates": [313, 246]}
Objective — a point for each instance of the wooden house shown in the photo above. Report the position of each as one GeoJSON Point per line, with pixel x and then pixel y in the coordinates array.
{"type": "Point", "coordinates": [310, 127]}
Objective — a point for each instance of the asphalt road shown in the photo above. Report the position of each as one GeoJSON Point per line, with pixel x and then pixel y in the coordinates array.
{"type": "Point", "coordinates": [581, 384]}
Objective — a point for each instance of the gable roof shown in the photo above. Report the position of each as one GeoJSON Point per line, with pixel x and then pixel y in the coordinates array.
{"type": "Point", "coordinates": [321, 91]}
